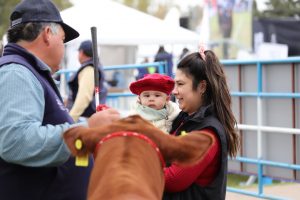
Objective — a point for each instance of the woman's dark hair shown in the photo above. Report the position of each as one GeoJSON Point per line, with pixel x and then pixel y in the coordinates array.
{"type": "Point", "coordinates": [217, 92]}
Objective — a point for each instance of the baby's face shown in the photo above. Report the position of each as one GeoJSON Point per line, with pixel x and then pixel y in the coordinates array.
{"type": "Point", "coordinates": [154, 99]}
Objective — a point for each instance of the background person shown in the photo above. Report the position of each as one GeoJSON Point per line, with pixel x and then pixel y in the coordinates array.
{"type": "Point", "coordinates": [203, 97]}
{"type": "Point", "coordinates": [81, 100]}
{"type": "Point", "coordinates": [185, 51]}
{"type": "Point", "coordinates": [163, 56]}
{"type": "Point", "coordinates": [144, 70]}
{"type": "Point", "coordinates": [154, 100]}
{"type": "Point", "coordinates": [35, 163]}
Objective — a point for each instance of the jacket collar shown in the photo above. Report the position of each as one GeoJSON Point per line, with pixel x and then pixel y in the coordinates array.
{"type": "Point", "coordinates": [15, 49]}
{"type": "Point", "coordinates": [199, 115]}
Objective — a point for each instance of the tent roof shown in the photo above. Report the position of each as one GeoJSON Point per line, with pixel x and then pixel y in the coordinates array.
{"type": "Point", "coordinates": [121, 25]}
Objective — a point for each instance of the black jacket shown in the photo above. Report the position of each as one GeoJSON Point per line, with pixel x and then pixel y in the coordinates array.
{"type": "Point", "coordinates": [204, 118]}
{"type": "Point", "coordinates": [73, 85]}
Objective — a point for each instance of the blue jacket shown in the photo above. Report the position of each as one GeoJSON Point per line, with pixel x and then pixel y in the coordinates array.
{"type": "Point", "coordinates": [168, 58]}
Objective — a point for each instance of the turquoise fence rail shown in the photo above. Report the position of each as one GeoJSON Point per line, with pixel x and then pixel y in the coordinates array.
{"type": "Point", "coordinates": [161, 66]}
{"type": "Point", "coordinates": [261, 178]}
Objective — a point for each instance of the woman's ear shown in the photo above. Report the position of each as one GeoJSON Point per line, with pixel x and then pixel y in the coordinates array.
{"type": "Point", "coordinates": [202, 86]}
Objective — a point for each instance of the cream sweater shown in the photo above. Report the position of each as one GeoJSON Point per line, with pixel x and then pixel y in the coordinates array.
{"type": "Point", "coordinates": [162, 119]}
{"type": "Point", "coordinates": [85, 92]}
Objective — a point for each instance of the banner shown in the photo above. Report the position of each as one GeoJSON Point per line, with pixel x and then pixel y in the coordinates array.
{"type": "Point", "coordinates": [230, 24]}
{"type": "Point", "coordinates": [278, 31]}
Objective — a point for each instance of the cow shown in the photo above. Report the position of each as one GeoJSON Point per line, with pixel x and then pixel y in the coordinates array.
{"type": "Point", "coordinates": [130, 155]}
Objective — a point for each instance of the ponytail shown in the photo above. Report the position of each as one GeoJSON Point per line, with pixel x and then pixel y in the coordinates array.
{"type": "Point", "coordinates": [218, 94]}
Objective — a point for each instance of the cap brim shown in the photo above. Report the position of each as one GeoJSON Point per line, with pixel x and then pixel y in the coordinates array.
{"type": "Point", "coordinates": [70, 33]}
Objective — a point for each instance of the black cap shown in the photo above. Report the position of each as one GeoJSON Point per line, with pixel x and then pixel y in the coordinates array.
{"type": "Point", "coordinates": [40, 11]}
{"type": "Point", "coordinates": [87, 48]}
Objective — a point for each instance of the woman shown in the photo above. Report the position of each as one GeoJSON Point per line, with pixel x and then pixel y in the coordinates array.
{"type": "Point", "coordinates": [203, 96]}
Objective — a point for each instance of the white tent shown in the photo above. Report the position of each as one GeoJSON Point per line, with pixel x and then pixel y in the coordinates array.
{"type": "Point", "coordinates": [124, 34]}
{"type": "Point", "coordinates": [121, 25]}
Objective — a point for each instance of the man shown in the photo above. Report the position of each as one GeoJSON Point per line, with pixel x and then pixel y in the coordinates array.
{"type": "Point", "coordinates": [81, 98]}
{"type": "Point", "coordinates": [35, 163]}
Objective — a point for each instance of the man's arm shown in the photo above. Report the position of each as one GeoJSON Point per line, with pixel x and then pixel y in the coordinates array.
{"type": "Point", "coordinates": [23, 138]}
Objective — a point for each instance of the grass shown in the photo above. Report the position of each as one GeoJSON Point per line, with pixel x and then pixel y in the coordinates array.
{"type": "Point", "coordinates": [235, 180]}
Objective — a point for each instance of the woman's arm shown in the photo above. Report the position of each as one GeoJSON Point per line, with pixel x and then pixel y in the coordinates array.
{"type": "Point", "coordinates": [179, 178]}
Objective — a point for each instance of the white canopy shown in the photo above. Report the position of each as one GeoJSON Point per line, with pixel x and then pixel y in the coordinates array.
{"type": "Point", "coordinates": [121, 25]}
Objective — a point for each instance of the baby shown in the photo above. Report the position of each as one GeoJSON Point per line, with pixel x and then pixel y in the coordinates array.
{"type": "Point", "coordinates": [154, 100]}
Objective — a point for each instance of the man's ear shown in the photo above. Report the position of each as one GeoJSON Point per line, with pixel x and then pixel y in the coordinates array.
{"type": "Point", "coordinates": [46, 34]}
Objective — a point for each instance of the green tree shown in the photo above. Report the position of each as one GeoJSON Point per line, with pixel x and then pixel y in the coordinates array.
{"type": "Point", "coordinates": [138, 4]}
{"type": "Point", "coordinates": [6, 7]}
{"type": "Point", "coordinates": [143, 5]}
{"type": "Point", "coordinates": [278, 9]}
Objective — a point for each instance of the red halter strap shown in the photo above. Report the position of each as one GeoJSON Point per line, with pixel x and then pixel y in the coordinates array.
{"type": "Point", "coordinates": [133, 134]}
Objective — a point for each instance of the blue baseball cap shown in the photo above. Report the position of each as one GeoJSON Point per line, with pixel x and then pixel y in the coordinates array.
{"type": "Point", "coordinates": [40, 11]}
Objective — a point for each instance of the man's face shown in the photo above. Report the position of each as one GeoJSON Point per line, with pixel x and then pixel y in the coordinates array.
{"type": "Point", "coordinates": [80, 56]}
{"type": "Point", "coordinates": [56, 48]}
{"type": "Point", "coordinates": [154, 99]}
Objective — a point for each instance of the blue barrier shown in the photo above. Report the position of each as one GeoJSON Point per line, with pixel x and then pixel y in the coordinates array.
{"type": "Point", "coordinates": [260, 94]}
{"type": "Point", "coordinates": [261, 182]}
{"type": "Point", "coordinates": [160, 65]}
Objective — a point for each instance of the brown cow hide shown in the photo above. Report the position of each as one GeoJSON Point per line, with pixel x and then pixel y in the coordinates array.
{"type": "Point", "coordinates": [129, 168]}
{"type": "Point", "coordinates": [126, 166]}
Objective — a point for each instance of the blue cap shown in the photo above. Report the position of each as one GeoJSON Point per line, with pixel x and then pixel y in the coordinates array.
{"type": "Point", "coordinates": [87, 48]}
{"type": "Point", "coordinates": [40, 11]}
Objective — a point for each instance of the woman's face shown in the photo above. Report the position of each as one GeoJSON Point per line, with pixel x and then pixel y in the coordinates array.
{"type": "Point", "coordinates": [189, 100]}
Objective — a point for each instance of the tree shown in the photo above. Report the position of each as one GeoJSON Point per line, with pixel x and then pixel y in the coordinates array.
{"type": "Point", "coordinates": [137, 4]}
{"type": "Point", "coordinates": [278, 9]}
{"type": "Point", "coordinates": [143, 5]}
{"type": "Point", "coordinates": [6, 7]}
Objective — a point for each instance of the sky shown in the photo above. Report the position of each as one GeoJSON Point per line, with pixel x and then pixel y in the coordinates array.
{"type": "Point", "coordinates": [184, 4]}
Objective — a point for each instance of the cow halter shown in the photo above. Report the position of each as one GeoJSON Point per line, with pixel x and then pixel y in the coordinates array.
{"type": "Point", "coordinates": [133, 134]}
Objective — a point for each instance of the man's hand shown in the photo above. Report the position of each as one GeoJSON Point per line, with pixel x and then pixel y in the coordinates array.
{"type": "Point", "coordinates": [103, 117]}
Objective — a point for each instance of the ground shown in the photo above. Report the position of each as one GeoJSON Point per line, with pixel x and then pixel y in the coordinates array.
{"type": "Point", "coordinates": [286, 191]}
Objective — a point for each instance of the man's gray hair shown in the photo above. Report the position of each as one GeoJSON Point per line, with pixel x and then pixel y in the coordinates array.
{"type": "Point", "coordinates": [54, 27]}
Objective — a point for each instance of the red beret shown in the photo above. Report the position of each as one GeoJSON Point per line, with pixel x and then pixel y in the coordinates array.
{"type": "Point", "coordinates": [156, 82]}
